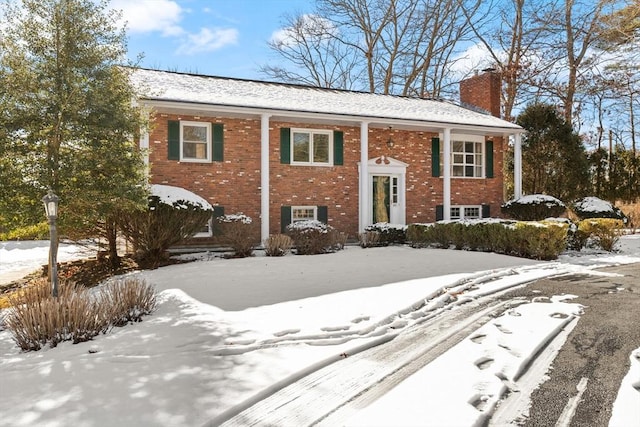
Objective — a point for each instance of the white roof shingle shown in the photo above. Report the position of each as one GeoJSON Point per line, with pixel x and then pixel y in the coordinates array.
{"type": "Point", "coordinates": [154, 85]}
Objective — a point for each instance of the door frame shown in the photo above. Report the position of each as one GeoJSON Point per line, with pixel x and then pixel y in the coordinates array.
{"type": "Point", "coordinates": [393, 168]}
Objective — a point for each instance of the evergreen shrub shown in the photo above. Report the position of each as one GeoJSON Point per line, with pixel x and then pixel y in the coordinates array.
{"type": "Point", "coordinates": [278, 245]}
{"type": "Point", "coordinates": [593, 207]}
{"type": "Point", "coordinates": [388, 234]}
{"type": "Point", "coordinates": [38, 231]}
{"type": "Point", "coordinates": [534, 207]}
{"type": "Point", "coordinates": [529, 240]}
{"type": "Point", "coordinates": [154, 230]}
{"type": "Point", "coordinates": [601, 233]}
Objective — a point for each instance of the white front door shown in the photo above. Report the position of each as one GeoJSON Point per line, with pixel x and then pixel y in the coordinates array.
{"type": "Point", "coordinates": [386, 191]}
{"type": "Point", "coordinates": [386, 200]}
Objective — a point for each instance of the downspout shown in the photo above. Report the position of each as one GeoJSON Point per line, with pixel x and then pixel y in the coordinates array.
{"type": "Point", "coordinates": [517, 166]}
{"type": "Point", "coordinates": [446, 175]}
{"type": "Point", "coordinates": [364, 177]}
{"type": "Point", "coordinates": [264, 177]}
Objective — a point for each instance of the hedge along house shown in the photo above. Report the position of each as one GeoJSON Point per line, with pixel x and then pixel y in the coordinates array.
{"type": "Point", "coordinates": [281, 153]}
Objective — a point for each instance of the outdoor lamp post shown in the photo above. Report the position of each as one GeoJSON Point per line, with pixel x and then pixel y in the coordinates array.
{"type": "Point", "coordinates": [50, 201]}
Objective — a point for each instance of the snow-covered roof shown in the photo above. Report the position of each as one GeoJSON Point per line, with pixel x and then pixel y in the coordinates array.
{"type": "Point", "coordinates": [154, 85]}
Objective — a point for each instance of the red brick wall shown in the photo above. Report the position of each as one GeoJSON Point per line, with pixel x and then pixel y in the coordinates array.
{"type": "Point", "coordinates": [235, 182]}
{"type": "Point", "coordinates": [482, 90]}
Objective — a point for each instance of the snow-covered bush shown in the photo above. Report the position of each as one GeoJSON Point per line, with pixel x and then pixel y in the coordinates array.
{"type": "Point", "coordinates": [312, 237]}
{"type": "Point", "coordinates": [239, 232]}
{"type": "Point", "coordinates": [173, 215]}
{"type": "Point", "coordinates": [593, 207]}
{"type": "Point", "coordinates": [278, 245]}
{"type": "Point", "coordinates": [534, 207]}
{"type": "Point", "coordinates": [36, 319]}
{"type": "Point", "coordinates": [383, 234]}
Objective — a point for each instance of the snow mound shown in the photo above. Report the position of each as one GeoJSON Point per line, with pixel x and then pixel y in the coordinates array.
{"type": "Point", "coordinates": [177, 196]}
{"type": "Point", "coordinates": [537, 199]}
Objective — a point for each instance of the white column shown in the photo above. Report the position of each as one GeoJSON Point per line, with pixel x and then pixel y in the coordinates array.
{"type": "Point", "coordinates": [517, 166]}
{"type": "Point", "coordinates": [446, 175]}
{"type": "Point", "coordinates": [364, 177]}
{"type": "Point", "coordinates": [264, 177]}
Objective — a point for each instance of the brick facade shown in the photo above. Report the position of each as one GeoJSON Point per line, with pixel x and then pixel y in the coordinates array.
{"type": "Point", "coordinates": [483, 91]}
{"type": "Point", "coordinates": [234, 183]}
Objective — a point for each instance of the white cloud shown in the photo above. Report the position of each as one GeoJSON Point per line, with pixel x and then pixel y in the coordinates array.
{"type": "Point", "coordinates": [145, 16]}
{"type": "Point", "coordinates": [309, 25]}
{"type": "Point", "coordinates": [475, 57]}
{"type": "Point", "coordinates": [208, 40]}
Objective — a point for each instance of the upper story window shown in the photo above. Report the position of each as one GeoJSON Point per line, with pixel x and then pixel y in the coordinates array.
{"type": "Point", "coordinates": [312, 147]}
{"type": "Point", "coordinates": [195, 141]}
{"type": "Point", "coordinates": [466, 159]}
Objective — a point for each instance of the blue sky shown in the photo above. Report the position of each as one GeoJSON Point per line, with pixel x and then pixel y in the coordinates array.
{"type": "Point", "coordinates": [216, 37]}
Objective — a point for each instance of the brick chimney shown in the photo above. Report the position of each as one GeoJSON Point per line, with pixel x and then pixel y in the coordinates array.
{"type": "Point", "coordinates": [483, 91]}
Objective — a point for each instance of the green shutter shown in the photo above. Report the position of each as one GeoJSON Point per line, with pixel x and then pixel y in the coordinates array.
{"type": "Point", "coordinates": [338, 147]}
{"type": "Point", "coordinates": [216, 229]}
{"type": "Point", "coordinates": [285, 218]}
{"type": "Point", "coordinates": [174, 140]}
{"type": "Point", "coordinates": [435, 157]}
{"type": "Point", "coordinates": [439, 212]}
{"type": "Point", "coordinates": [218, 211]}
{"type": "Point", "coordinates": [323, 214]}
{"type": "Point", "coordinates": [489, 154]}
{"type": "Point", "coordinates": [285, 145]}
{"type": "Point", "coordinates": [486, 211]}
{"type": "Point", "coordinates": [218, 142]}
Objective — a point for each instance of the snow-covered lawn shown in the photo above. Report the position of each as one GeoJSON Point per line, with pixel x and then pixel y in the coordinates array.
{"type": "Point", "coordinates": [227, 330]}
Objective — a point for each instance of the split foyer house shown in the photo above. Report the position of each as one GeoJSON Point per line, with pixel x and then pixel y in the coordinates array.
{"type": "Point", "coordinates": [281, 153]}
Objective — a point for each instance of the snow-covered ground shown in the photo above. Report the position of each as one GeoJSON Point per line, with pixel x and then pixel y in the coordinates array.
{"type": "Point", "coordinates": [228, 330]}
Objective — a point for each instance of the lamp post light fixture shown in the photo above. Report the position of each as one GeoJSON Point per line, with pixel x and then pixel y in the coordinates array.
{"type": "Point", "coordinates": [50, 201]}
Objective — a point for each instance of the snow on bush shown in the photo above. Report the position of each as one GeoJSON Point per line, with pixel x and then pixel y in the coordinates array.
{"type": "Point", "coordinates": [593, 207]}
{"type": "Point", "coordinates": [178, 197]}
{"type": "Point", "coordinates": [534, 207]}
{"type": "Point", "coordinates": [312, 237]}
{"type": "Point", "coordinates": [383, 234]}
{"type": "Point", "coordinates": [239, 232]}
{"type": "Point", "coordinates": [239, 217]}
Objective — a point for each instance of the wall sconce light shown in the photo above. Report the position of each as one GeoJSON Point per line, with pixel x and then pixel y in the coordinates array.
{"type": "Point", "coordinates": [390, 140]}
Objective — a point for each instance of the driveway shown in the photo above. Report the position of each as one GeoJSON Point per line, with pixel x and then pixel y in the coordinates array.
{"type": "Point", "coordinates": [260, 280]}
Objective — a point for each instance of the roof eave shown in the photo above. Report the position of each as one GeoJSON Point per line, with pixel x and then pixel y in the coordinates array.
{"type": "Point", "coordinates": [355, 118]}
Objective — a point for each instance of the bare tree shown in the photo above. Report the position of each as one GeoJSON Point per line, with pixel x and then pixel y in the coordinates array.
{"type": "Point", "coordinates": [382, 46]}
{"type": "Point", "coordinates": [510, 30]}
{"type": "Point", "coordinates": [571, 33]}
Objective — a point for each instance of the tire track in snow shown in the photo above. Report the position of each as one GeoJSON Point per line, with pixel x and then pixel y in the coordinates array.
{"type": "Point", "coordinates": [333, 392]}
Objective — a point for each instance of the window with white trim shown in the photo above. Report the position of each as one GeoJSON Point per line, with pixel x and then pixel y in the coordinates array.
{"type": "Point", "coordinates": [206, 230]}
{"type": "Point", "coordinates": [466, 212]}
{"type": "Point", "coordinates": [195, 141]}
{"type": "Point", "coordinates": [311, 147]}
{"type": "Point", "coordinates": [466, 159]}
{"type": "Point", "coordinates": [303, 213]}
